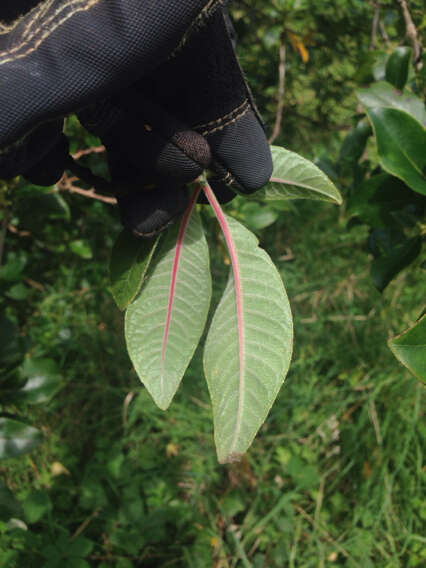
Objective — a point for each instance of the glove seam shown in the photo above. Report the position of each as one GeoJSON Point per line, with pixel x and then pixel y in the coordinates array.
{"type": "Point", "coordinates": [217, 121]}
{"type": "Point", "coordinates": [197, 23]}
{"type": "Point", "coordinates": [227, 123]}
{"type": "Point", "coordinates": [82, 6]}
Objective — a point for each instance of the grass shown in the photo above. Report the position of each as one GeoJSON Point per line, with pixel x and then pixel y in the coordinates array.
{"type": "Point", "coordinates": [333, 478]}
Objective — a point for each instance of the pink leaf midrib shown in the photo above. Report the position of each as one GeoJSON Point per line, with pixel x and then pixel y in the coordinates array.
{"type": "Point", "coordinates": [239, 301]}
{"type": "Point", "coordinates": [175, 272]}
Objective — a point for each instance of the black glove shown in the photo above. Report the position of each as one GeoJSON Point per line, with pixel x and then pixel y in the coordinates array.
{"type": "Point", "coordinates": [147, 62]}
{"type": "Point", "coordinates": [41, 157]}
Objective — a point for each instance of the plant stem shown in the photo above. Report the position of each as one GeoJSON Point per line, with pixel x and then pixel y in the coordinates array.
{"type": "Point", "coordinates": [3, 232]}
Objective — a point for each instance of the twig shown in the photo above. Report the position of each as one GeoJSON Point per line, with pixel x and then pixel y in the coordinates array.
{"type": "Point", "coordinates": [3, 232]}
{"type": "Point", "coordinates": [85, 524]}
{"type": "Point", "coordinates": [67, 184]}
{"type": "Point", "coordinates": [375, 24]}
{"type": "Point", "coordinates": [412, 34]}
{"type": "Point", "coordinates": [16, 231]}
{"type": "Point", "coordinates": [86, 175]}
{"type": "Point", "coordinates": [129, 397]}
{"type": "Point", "coordinates": [384, 33]}
{"type": "Point", "coordinates": [281, 93]}
{"type": "Point", "coordinates": [87, 151]}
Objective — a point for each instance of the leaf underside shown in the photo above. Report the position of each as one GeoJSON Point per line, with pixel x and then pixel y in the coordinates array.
{"type": "Point", "coordinates": [294, 177]}
{"type": "Point", "coordinates": [248, 349]}
{"type": "Point", "coordinates": [164, 324]}
{"type": "Point", "coordinates": [410, 348]}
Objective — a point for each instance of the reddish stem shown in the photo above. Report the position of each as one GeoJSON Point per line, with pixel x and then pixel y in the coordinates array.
{"type": "Point", "coordinates": [238, 296]}
{"type": "Point", "coordinates": [175, 271]}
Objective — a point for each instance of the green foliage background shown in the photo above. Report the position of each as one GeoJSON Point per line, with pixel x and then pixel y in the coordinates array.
{"type": "Point", "coordinates": [335, 475]}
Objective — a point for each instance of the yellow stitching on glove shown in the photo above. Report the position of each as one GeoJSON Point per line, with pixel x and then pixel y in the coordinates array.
{"type": "Point", "coordinates": [208, 9]}
{"type": "Point", "coordinates": [219, 120]}
{"type": "Point", "coordinates": [82, 6]}
{"type": "Point", "coordinates": [245, 111]}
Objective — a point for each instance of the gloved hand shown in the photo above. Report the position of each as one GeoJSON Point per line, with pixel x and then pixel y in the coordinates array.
{"type": "Point", "coordinates": [159, 82]}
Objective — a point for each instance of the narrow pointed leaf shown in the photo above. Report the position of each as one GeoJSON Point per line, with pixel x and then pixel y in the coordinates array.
{"type": "Point", "coordinates": [295, 177]}
{"type": "Point", "coordinates": [401, 142]}
{"type": "Point", "coordinates": [410, 348]}
{"type": "Point", "coordinates": [249, 344]}
{"type": "Point", "coordinates": [129, 262]}
{"type": "Point", "coordinates": [164, 324]}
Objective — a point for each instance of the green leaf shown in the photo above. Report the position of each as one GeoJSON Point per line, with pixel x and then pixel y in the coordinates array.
{"type": "Point", "coordinates": [295, 177]}
{"type": "Point", "coordinates": [36, 505]}
{"type": "Point", "coordinates": [410, 348]}
{"type": "Point", "coordinates": [14, 268]}
{"type": "Point", "coordinates": [386, 267]}
{"type": "Point", "coordinates": [82, 249]}
{"type": "Point", "coordinates": [81, 547]}
{"type": "Point", "coordinates": [43, 381]}
{"type": "Point", "coordinates": [46, 200]}
{"type": "Point", "coordinates": [17, 438]}
{"type": "Point", "coordinates": [9, 506]}
{"type": "Point", "coordinates": [376, 199]}
{"type": "Point", "coordinates": [382, 94]}
{"type": "Point", "coordinates": [164, 324]}
{"type": "Point", "coordinates": [401, 142]}
{"type": "Point", "coordinates": [18, 292]}
{"type": "Point", "coordinates": [249, 344]}
{"type": "Point", "coordinates": [354, 144]}
{"type": "Point", "coordinates": [397, 67]}
{"type": "Point", "coordinates": [258, 216]}
{"type": "Point", "coordinates": [130, 259]}
{"type": "Point", "coordinates": [11, 349]}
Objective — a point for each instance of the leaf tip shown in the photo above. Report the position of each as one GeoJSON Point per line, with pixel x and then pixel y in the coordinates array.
{"type": "Point", "coordinates": [230, 458]}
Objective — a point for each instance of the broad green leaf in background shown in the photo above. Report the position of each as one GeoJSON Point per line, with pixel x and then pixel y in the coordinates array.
{"type": "Point", "coordinates": [401, 142]}
{"type": "Point", "coordinates": [295, 177]}
{"type": "Point", "coordinates": [382, 94]}
{"type": "Point", "coordinates": [397, 66]}
{"type": "Point", "coordinates": [165, 322]}
{"type": "Point", "coordinates": [354, 144]}
{"type": "Point", "coordinates": [258, 216]}
{"type": "Point", "coordinates": [82, 248]}
{"type": "Point", "coordinates": [376, 200]}
{"type": "Point", "coordinates": [43, 381]}
{"type": "Point", "coordinates": [32, 198]}
{"type": "Point", "coordinates": [386, 267]}
{"type": "Point", "coordinates": [11, 348]}
{"type": "Point", "coordinates": [36, 505]}
{"type": "Point", "coordinates": [410, 348]}
{"type": "Point", "coordinates": [130, 259]}
{"type": "Point", "coordinates": [9, 506]}
{"type": "Point", "coordinates": [17, 438]}
{"type": "Point", "coordinates": [248, 348]}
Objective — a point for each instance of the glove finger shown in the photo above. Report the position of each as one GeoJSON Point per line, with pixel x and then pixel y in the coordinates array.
{"type": "Point", "coordinates": [50, 168]}
{"type": "Point", "coordinates": [31, 150]}
{"type": "Point", "coordinates": [209, 93]}
{"type": "Point", "coordinates": [146, 213]}
{"type": "Point", "coordinates": [145, 141]}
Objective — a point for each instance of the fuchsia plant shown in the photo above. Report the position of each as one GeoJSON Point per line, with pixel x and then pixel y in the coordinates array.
{"type": "Point", "coordinates": [165, 286]}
